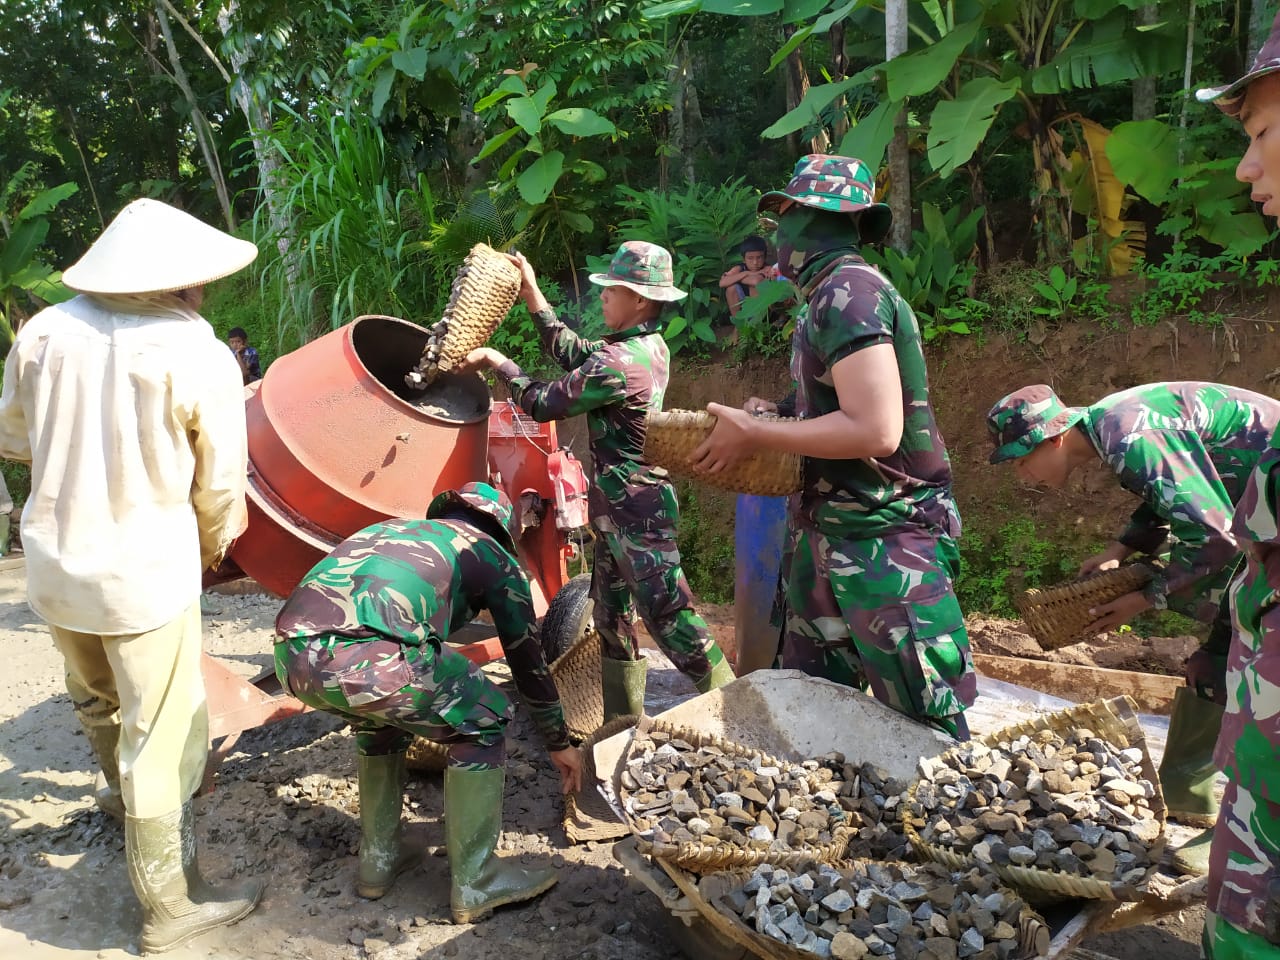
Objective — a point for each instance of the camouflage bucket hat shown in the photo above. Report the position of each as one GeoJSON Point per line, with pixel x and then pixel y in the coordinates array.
{"type": "Point", "coordinates": [837, 185]}
{"type": "Point", "coordinates": [1230, 98]}
{"type": "Point", "coordinates": [1025, 419]}
{"type": "Point", "coordinates": [644, 268]}
{"type": "Point", "coordinates": [483, 499]}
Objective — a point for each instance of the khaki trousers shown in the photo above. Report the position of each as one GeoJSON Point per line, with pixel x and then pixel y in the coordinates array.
{"type": "Point", "coordinates": [150, 684]}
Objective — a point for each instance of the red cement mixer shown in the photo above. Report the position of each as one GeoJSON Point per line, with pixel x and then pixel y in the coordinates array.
{"type": "Point", "coordinates": [338, 442]}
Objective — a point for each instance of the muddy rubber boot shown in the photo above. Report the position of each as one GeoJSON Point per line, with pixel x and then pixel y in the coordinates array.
{"type": "Point", "coordinates": [1192, 858]}
{"type": "Point", "coordinates": [479, 880]}
{"type": "Point", "coordinates": [720, 674]}
{"type": "Point", "coordinates": [177, 904]}
{"type": "Point", "coordinates": [105, 741]}
{"type": "Point", "coordinates": [622, 685]}
{"type": "Point", "coordinates": [1187, 772]}
{"type": "Point", "coordinates": [383, 855]}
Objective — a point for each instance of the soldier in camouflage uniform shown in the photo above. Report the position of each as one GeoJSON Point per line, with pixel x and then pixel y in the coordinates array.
{"type": "Point", "coordinates": [1187, 449]}
{"type": "Point", "coordinates": [870, 587]}
{"type": "Point", "coordinates": [362, 637]}
{"type": "Point", "coordinates": [617, 382]}
{"type": "Point", "coordinates": [1242, 921]}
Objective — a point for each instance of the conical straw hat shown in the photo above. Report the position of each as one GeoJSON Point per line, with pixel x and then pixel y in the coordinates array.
{"type": "Point", "coordinates": [151, 247]}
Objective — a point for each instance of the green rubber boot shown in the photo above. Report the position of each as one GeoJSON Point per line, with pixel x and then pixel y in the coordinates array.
{"type": "Point", "coordinates": [105, 741]}
{"type": "Point", "coordinates": [383, 855]}
{"type": "Point", "coordinates": [1192, 858]}
{"type": "Point", "coordinates": [720, 674]}
{"type": "Point", "coordinates": [479, 880]}
{"type": "Point", "coordinates": [622, 685]}
{"type": "Point", "coordinates": [177, 903]}
{"type": "Point", "coordinates": [1187, 772]}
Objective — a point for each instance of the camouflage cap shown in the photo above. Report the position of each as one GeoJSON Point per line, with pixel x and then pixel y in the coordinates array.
{"type": "Point", "coordinates": [837, 185]}
{"type": "Point", "coordinates": [1230, 98]}
{"type": "Point", "coordinates": [1026, 418]}
{"type": "Point", "coordinates": [644, 268]}
{"type": "Point", "coordinates": [483, 499]}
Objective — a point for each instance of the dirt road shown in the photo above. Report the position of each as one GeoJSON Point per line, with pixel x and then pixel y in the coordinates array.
{"type": "Point", "coordinates": [284, 808]}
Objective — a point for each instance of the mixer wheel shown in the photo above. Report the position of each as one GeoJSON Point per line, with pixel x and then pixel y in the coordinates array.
{"type": "Point", "coordinates": [568, 617]}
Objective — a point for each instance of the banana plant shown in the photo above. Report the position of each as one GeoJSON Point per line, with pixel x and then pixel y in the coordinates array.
{"type": "Point", "coordinates": [23, 272]}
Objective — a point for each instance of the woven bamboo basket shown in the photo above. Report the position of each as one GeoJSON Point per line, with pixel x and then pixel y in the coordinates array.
{"type": "Point", "coordinates": [577, 676]}
{"type": "Point", "coordinates": [707, 893]}
{"type": "Point", "coordinates": [707, 856]}
{"type": "Point", "coordinates": [1115, 721]}
{"type": "Point", "coordinates": [586, 814]}
{"type": "Point", "coordinates": [484, 290]}
{"type": "Point", "coordinates": [671, 436]}
{"type": "Point", "coordinates": [1059, 616]}
{"type": "Point", "coordinates": [426, 756]}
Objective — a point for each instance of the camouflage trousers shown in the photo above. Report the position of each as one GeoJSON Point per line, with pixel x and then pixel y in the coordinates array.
{"type": "Point", "coordinates": [391, 692]}
{"type": "Point", "coordinates": [882, 613]}
{"type": "Point", "coordinates": [1243, 918]}
{"type": "Point", "coordinates": [641, 568]}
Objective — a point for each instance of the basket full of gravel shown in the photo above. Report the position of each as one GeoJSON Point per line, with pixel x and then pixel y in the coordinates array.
{"type": "Point", "coordinates": [706, 804]}
{"type": "Point", "coordinates": [857, 909]}
{"type": "Point", "coordinates": [1062, 805]}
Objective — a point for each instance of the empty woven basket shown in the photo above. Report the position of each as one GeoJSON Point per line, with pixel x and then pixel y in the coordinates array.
{"type": "Point", "coordinates": [672, 435]}
{"type": "Point", "coordinates": [483, 292]}
{"type": "Point", "coordinates": [1059, 616]}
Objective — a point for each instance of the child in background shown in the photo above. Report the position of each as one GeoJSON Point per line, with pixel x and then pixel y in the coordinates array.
{"type": "Point", "coordinates": [740, 280]}
{"type": "Point", "coordinates": [245, 355]}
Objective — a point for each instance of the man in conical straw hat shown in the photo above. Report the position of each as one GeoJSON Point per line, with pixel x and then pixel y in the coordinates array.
{"type": "Point", "coordinates": [1242, 921]}
{"type": "Point", "coordinates": [131, 414]}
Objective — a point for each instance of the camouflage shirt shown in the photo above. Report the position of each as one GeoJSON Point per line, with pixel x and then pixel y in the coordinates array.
{"type": "Point", "coordinates": [616, 382]}
{"type": "Point", "coordinates": [854, 307]}
{"type": "Point", "coordinates": [1187, 449]}
{"type": "Point", "coordinates": [1248, 749]}
{"type": "Point", "coordinates": [416, 582]}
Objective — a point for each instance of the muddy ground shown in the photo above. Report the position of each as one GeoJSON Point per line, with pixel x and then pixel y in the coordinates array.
{"type": "Point", "coordinates": [284, 808]}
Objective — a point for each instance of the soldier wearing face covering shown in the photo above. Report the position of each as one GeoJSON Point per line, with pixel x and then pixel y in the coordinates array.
{"type": "Point", "coordinates": [870, 586]}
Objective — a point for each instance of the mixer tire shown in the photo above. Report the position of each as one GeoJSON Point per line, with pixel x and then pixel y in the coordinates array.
{"type": "Point", "coordinates": [568, 617]}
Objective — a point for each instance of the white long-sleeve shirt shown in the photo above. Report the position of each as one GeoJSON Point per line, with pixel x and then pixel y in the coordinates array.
{"type": "Point", "coordinates": [134, 427]}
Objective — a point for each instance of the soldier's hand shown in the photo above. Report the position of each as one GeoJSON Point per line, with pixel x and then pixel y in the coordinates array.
{"type": "Point", "coordinates": [568, 763]}
{"type": "Point", "coordinates": [1119, 611]}
{"type": "Point", "coordinates": [1108, 559]}
{"type": "Point", "coordinates": [756, 406]}
{"type": "Point", "coordinates": [482, 358]}
{"type": "Point", "coordinates": [729, 442]}
{"type": "Point", "coordinates": [1204, 671]}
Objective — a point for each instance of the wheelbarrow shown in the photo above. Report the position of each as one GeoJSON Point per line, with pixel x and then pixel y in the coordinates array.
{"type": "Point", "coordinates": [789, 714]}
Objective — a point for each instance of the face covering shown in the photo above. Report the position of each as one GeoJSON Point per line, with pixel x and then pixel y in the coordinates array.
{"type": "Point", "coordinates": [805, 235]}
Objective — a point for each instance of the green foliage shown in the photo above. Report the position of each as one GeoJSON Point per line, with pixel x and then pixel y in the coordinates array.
{"type": "Point", "coordinates": [549, 149]}
{"type": "Point", "coordinates": [25, 277]}
{"type": "Point", "coordinates": [1058, 292]}
{"type": "Point", "coordinates": [240, 301]}
{"type": "Point", "coordinates": [766, 321]}
{"type": "Point", "coordinates": [937, 275]}
{"type": "Point", "coordinates": [706, 550]}
{"type": "Point", "coordinates": [1178, 286]}
{"type": "Point", "coordinates": [998, 568]}
{"type": "Point", "coordinates": [356, 242]}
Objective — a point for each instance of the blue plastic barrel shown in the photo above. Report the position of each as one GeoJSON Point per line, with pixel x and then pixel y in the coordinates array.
{"type": "Point", "coordinates": [759, 536]}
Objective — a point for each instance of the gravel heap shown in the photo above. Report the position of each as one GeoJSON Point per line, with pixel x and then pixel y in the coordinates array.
{"type": "Point", "coordinates": [883, 910]}
{"type": "Point", "coordinates": [1076, 804]}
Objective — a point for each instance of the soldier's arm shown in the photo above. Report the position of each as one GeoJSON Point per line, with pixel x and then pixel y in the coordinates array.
{"type": "Point", "coordinates": [1180, 484]}
{"type": "Point", "coordinates": [592, 385]}
{"type": "Point", "coordinates": [508, 598]}
{"type": "Point", "coordinates": [566, 347]}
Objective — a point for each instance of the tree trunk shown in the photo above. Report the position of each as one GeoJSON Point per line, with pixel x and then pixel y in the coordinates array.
{"type": "Point", "coordinates": [1144, 88]}
{"type": "Point", "coordinates": [839, 70]}
{"type": "Point", "coordinates": [797, 87]}
{"type": "Point", "coordinates": [204, 133]}
{"type": "Point", "coordinates": [895, 29]}
{"type": "Point", "coordinates": [693, 126]}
